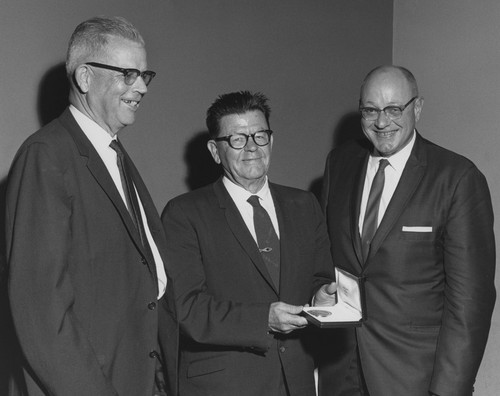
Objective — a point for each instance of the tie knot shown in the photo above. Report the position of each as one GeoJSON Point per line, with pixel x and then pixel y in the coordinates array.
{"type": "Point", "coordinates": [116, 145]}
{"type": "Point", "coordinates": [382, 164]}
{"type": "Point", "coordinates": [254, 201]}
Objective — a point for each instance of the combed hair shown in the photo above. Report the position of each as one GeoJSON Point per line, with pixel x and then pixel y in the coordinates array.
{"type": "Point", "coordinates": [92, 35]}
{"type": "Point", "coordinates": [235, 103]}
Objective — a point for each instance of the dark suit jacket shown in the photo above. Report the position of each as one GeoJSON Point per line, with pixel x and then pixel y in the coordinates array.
{"type": "Point", "coordinates": [82, 291]}
{"type": "Point", "coordinates": [224, 292]}
{"type": "Point", "coordinates": [429, 295]}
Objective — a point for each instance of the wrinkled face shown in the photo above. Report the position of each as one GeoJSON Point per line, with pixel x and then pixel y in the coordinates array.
{"type": "Point", "coordinates": [389, 88]}
{"type": "Point", "coordinates": [112, 103]}
{"type": "Point", "coordinates": [246, 167]}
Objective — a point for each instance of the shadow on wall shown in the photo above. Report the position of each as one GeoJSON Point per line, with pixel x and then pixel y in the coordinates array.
{"type": "Point", "coordinates": [53, 93]}
{"type": "Point", "coordinates": [348, 128]}
{"type": "Point", "coordinates": [51, 101]}
{"type": "Point", "coordinates": [202, 169]}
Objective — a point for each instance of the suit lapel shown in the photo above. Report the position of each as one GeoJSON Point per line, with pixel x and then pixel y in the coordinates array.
{"type": "Point", "coordinates": [355, 202]}
{"type": "Point", "coordinates": [149, 210]}
{"type": "Point", "coordinates": [100, 173]}
{"type": "Point", "coordinates": [240, 230]}
{"type": "Point", "coordinates": [288, 246]}
{"type": "Point", "coordinates": [410, 179]}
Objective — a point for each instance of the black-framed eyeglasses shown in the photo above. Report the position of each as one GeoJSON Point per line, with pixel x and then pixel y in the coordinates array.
{"type": "Point", "coordinates": [392, 112]}
{"type": "Point", "coordinates": [130, 75]}
{"type": "Point", "coordinates": [240, 140]}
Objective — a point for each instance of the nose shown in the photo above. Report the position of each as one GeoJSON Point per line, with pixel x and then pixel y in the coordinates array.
{"type": "Point", "coordinates": [250, 146]}
{"type": "Point", "coordinates": [140, 86]}
{"type": "Point", "coordinates": [382, 120]}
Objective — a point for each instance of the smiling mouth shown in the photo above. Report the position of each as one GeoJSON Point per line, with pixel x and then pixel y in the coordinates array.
{"type": "Point", "coordinates": [132, 103]}
{"type": "Point", "coordinates": [385, 134]}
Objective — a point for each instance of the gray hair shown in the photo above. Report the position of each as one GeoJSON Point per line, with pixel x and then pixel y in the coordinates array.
{"type": "Point", "coordinates": [91, 37]}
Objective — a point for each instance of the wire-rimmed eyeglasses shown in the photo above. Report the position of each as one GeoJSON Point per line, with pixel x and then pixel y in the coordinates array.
{"type": "Point", "coordinates": [240, 140]}
{"type": "Point", "coordinates": [393, 112]}
{"type": "Point", "coordinates": [130, 75]}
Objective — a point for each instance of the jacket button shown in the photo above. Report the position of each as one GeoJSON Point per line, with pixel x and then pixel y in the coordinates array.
{"type": "Point", "coordinates": [152, 306]}
{"type": "Point", "coordinates": [143, 261]}
{"type": "Point", "coordinates": [153, 354]}
{"type": "Point", "coordinates": [282, 349]}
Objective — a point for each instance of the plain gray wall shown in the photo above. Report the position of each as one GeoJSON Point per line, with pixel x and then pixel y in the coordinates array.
{"type": "Point", "coordinates": [309, 57]}
{"type": "Point", "coordinates": [453, 47]}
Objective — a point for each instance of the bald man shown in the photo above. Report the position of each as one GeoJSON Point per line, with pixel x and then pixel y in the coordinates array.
{"type": "Point", "coordinates": [429, 263]}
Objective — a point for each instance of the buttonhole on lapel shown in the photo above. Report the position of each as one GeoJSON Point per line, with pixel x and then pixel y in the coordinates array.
{"type": "Point", "coordinates": [266, 250]}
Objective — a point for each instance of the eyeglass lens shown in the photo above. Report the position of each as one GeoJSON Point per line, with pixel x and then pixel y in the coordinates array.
{"type": "Point", "coordinates": [239, 141]}
{"type": "Point", "coordinates": [132, 75]}
{"type": "Point", "coordinates": [393, 112]}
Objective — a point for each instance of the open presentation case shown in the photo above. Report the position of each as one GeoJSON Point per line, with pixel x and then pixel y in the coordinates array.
{"type": "Point", "coordinates": [350, 307]}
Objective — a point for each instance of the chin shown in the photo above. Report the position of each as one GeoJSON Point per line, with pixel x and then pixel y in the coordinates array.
{"type": "Point", "coordinates": [127, 121]}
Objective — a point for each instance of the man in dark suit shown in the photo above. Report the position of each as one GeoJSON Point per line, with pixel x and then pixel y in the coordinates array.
{"type": "Point", "coordinates": [85, 281]}
{"type": "Point", "coordinates": [239, 305]}
{"type": "Point", "coordinates": [428, 270]}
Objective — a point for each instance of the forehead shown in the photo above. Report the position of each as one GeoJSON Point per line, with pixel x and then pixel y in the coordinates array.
{"type": "Point", "coordinates": [245, 121]}
{"type": "Point", "coordinates": [390, 85]}
{"type": "Point", "coordinates": [120, 50]}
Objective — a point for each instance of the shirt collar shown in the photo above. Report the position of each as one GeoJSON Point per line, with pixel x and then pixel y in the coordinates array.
{"type": "Point", "coordinates": [99, 138]}
{"type": "Point", "coordinates": [239, 194]}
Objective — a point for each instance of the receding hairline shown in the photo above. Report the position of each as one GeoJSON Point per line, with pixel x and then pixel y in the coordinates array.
{"type": "Point", "coordinates": [93, 35]}
{"type": "Point", "coordinates": [407, 74]}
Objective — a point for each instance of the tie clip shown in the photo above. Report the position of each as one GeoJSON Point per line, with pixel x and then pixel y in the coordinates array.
{"type": "Point", "coordinates": [266, 250]}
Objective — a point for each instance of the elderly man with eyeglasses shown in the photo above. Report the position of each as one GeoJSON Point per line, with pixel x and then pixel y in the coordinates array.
{"type": "Point", "coordinates": [86, 249]}
{"type": "Point", "coordinates": [415, 222]}
{"type": "Point", "coordinates": [246, 256]}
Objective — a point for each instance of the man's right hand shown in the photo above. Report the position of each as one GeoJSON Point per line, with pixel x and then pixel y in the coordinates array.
{"type": "Point", "coordinates": [285, 318]}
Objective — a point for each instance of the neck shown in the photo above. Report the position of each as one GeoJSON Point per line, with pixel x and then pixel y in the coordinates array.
{"type": "Point", "coordinates": [252, 186]}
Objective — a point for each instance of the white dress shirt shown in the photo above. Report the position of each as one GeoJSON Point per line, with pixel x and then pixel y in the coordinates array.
{"type": "Point", "coordinates": [101, 139]}
{"type": "Point", "coordinates": [240, 196]}
{"type": "Point", "coordinates": [393, 172]}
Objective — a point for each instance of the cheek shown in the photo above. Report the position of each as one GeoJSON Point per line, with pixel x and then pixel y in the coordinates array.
{"type": "Point", "coordinates": [366, 126]}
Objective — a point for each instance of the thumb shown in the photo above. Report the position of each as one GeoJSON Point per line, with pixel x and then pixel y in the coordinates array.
{"type": "Point", "coordinates": [331, 288]}
{"type": "Point", "coordinates": [295, 309]}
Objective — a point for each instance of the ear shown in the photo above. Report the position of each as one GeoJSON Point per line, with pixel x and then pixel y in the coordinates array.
{"type": "Point", "coordinates": [419, 104]}
{"type": "Point", "coordinates": [212, 147]}
{"type": "Point", "coordinates": [82, 78]}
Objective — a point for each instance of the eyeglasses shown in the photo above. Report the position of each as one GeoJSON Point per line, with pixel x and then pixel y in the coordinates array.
{"type": "Point", "coordinates": [130, 75]}
{"type": "Point", "coordinates": [240, 140]}
{"type": "Point", "coordinates": [392, 112]}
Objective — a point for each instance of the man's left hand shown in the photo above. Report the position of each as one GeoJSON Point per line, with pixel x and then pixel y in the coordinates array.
{"type": "Point", "coordinates": [326, 295]}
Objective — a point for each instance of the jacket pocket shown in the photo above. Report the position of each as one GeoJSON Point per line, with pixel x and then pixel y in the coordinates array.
{"type": "Point", "coordinates": [207, 366]}
{"type": "Point", "coordinates": [425, 329]}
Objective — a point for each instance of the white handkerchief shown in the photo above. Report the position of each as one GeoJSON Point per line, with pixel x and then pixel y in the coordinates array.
{"type": "Point", "coordinates": [417, 229]}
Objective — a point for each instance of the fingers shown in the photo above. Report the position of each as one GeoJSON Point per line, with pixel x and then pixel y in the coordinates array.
{"type": "Point", "coordinates": [284, 318]}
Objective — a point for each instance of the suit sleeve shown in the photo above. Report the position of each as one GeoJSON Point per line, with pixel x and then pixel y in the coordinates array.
{"type": "Point", "coordinates": [40, 289]}
{"type": "Point", "coordinates": [202, 317]}
{"type": "Point", "coordinates": [469, 264]}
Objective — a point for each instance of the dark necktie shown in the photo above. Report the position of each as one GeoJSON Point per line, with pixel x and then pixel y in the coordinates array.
{"type": "Point", "coordinates": [370, 222]}
{"type": "Point", "coordinates": [267, 239]}
{"type": "Point", "coordinates": [130, 194]}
